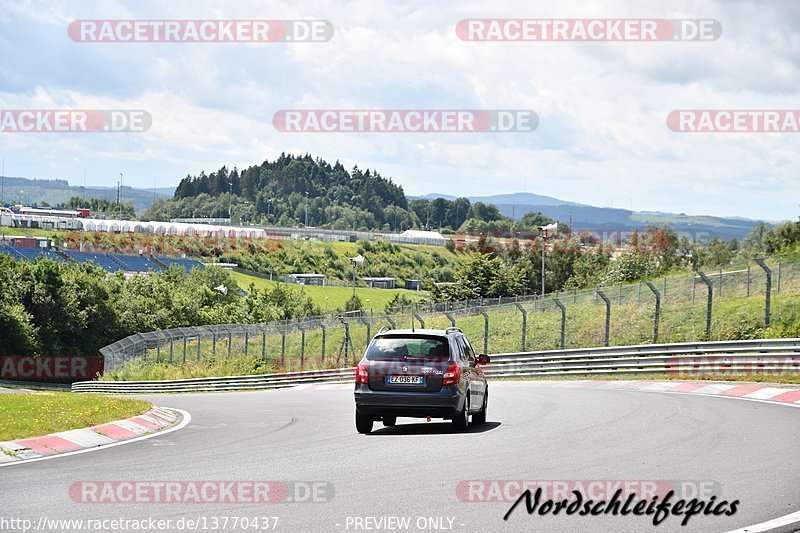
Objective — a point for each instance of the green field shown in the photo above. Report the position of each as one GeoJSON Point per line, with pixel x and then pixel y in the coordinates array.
{"type": "Point", "coordinates": [29, 232]}
{"type": "Point", "coordinates": [37, 414]}
{"type": "Point", "coordinates": [331, 298]}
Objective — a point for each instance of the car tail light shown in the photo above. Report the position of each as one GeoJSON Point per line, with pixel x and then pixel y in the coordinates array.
{"type": "Point", "coordinates": [452, 375]}
{"type": "Point", "coordinates": [362, 374]}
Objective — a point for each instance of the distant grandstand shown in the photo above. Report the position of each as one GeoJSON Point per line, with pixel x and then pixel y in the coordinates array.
{"type": "Point", "coordinates": [110, 262]}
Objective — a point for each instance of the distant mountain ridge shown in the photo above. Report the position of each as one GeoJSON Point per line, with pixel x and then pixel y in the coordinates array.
{"type": "Point", "coordinates": [591, 218]}
{"type": "Point", "coordinates": [582, 216]}
{"type": "Point", "coordinates": [54, 191]}
{"type": "Point", "coordinates": [524, 198]}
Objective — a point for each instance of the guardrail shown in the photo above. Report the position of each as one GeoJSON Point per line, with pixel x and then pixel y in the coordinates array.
{"type": "Point", "coordinates": [256, 382]}
{"type": "Point", "coordinates": [747, 356]}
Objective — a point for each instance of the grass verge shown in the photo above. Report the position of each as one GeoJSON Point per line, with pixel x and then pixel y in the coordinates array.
{"type": "Point", "coordinates": [37, 414]}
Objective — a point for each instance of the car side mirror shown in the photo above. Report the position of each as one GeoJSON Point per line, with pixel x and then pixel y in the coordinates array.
{"type": "Point", "coordinates": [483, 359]}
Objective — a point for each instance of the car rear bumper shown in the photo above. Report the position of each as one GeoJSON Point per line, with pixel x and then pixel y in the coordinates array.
{"type": "Point", "coordinates": [447, 403]}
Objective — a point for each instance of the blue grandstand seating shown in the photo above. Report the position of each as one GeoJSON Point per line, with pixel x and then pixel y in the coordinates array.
{"type": "Point", "coordinates": [10, 251]}
{"type": "Point", "coordinates": [136, 263]}
{"type": "Point", "coordinates": [28, 254]}
{"type": "Point", "coordinates": [32, 253]}
{"type": "Point", "coordinates": [102, 260]}
{"type": "Point", "coordinates": [188, 264]}
{"type": "Point", "coordinates": [110, 262]}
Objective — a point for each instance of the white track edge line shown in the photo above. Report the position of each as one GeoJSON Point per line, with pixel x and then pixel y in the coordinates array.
{"type": "Point", "coordinates": [186, 419]}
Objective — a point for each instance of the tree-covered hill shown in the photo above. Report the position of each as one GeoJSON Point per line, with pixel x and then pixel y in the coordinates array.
{"type": "Point", "coordinates": [299, 190]}
{"type": "Point", "coordinates": [289, 191]}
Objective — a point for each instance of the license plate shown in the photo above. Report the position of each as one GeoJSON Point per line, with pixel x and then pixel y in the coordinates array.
{"type": "Point", "coordinates": [405, 380]}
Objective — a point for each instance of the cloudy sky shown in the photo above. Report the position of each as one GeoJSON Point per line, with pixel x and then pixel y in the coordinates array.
{"type": "Point", "coordinates": [602, 137]}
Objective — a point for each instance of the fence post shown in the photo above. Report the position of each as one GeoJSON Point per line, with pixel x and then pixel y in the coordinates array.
{"type": "Point", "coordinates": [230, 342]}
{"type": "Point", "coordinates": [748, 280]}
{"type": "Point", "coordinates": [391, 321]}
{"type": "Point", "coordinates": [214, 343]}
{"type": "Point", "coordinates": [283, 346]}
{"type": "Point", "coordinates": [574, 296]}
{"type": "Point", "coordinates": [710, 287]}
{"type": "Point", "coordinates": [198, 345]}
{"type": "Point", "coordinates": [619, 291]}
{"type": "Point", "coordinates": [563, 320]}
{"type": "Point", "coordinates": [302, 344]}
{"type": "Point", "coordinates": [158, 350]}
{"type": "Point", "coordinates": [767, 290]}
{"type": "Point", "coordinates": [639, 294]}
{"type": "Point", "coordinates": [778, 281]}
{"type": "Point", "coordinates": [658, 310]}
{"type": "Point", "coordinates": [482, 311]}
{"type": "Point", "coordinates": [246, 342]}
{"type": "Point", "coordinates": [719, 292]}
{"type": "Point", "coordinates": [185, 340]}
{"type": "Point", "coordinates": [664, 292]}
{"type": "Point", "coordinates": [324, 335]}
{"type": "Point", "coordinates": [694, 283]}
{"type": "Point", "coordinates": [419, 318]}
{"type": "Point", "coordinates": [263, 345]}
{"type": "Point", "coordinates": [369, 329]}
{"type": "Point", "coordinates": [450, 318]}
{"type": "Point", "coordinates": [524, 324]}
{"type": "Point", "coordinates": [608, 316]}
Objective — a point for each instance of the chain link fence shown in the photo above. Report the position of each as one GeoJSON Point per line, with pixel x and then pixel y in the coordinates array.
{"type": "Point", "coordinates": [737, 302]}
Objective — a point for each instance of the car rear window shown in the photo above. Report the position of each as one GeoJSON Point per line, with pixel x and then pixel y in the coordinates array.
{"type": "Point", "coordinates": [412, 346]}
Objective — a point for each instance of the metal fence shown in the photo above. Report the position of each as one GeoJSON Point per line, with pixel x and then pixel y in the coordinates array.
{"type": "Point", "coordinates": [737, 302]}
{"type": "Point", "coordinates": [682, 359]}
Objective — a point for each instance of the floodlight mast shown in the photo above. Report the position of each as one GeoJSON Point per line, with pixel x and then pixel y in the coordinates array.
{"type": "Point", "coordinates": [543, 232]}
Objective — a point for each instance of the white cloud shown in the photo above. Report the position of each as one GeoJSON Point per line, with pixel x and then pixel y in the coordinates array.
{"type": "Point", "coordinates": [603, 106]}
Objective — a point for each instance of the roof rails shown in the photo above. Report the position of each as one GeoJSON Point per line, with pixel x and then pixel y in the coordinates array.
{"type": "Point", "coordinates": [452, 329]}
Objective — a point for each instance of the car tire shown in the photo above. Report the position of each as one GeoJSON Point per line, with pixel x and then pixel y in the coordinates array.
{"type": "Point", "coordinates": [389, 421]}
{"type": "Point", "coordinates": [480, 416]}
{"type": "Point", "coordinates": [363, 423]}
{"type": "Point", "coordinates": [461, 422]}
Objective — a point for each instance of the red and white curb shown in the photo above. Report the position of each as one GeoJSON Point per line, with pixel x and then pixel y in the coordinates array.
{"type": "Point", "coordinates": [155, 420]}
{"type": "Point", "coordinates": [781, 395]}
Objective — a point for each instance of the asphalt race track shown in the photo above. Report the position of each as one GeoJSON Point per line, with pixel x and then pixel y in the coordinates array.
{"type": "Point", "coordinates": [747, 450]}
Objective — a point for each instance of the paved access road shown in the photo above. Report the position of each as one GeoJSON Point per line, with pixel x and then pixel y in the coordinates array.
{"type": "Point", "coordinates": [741, 450]}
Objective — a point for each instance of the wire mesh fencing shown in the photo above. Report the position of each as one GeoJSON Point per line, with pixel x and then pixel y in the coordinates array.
{"type": "Point", "coordinates": [738, 302]}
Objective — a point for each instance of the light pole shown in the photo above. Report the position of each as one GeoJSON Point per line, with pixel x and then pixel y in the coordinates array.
{"type": "Point", "coordinates": [221, 290]}
{"type": "Point", "coordinates": [357, 262]}
{"type": "Point", "coordinates": [543, 232]}
{"type": "Point", "coordinates": [428, 219]}
{"type": "Point", "coordinates": [119, 195]}
{"type": "Point", "coordinates": [306, 224]}
{"type": "Point", "coordinates": [230, 202]}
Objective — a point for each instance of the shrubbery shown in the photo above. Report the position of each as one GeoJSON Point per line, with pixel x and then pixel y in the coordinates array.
{"type": "Point", "coordinates": [70, 309]}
